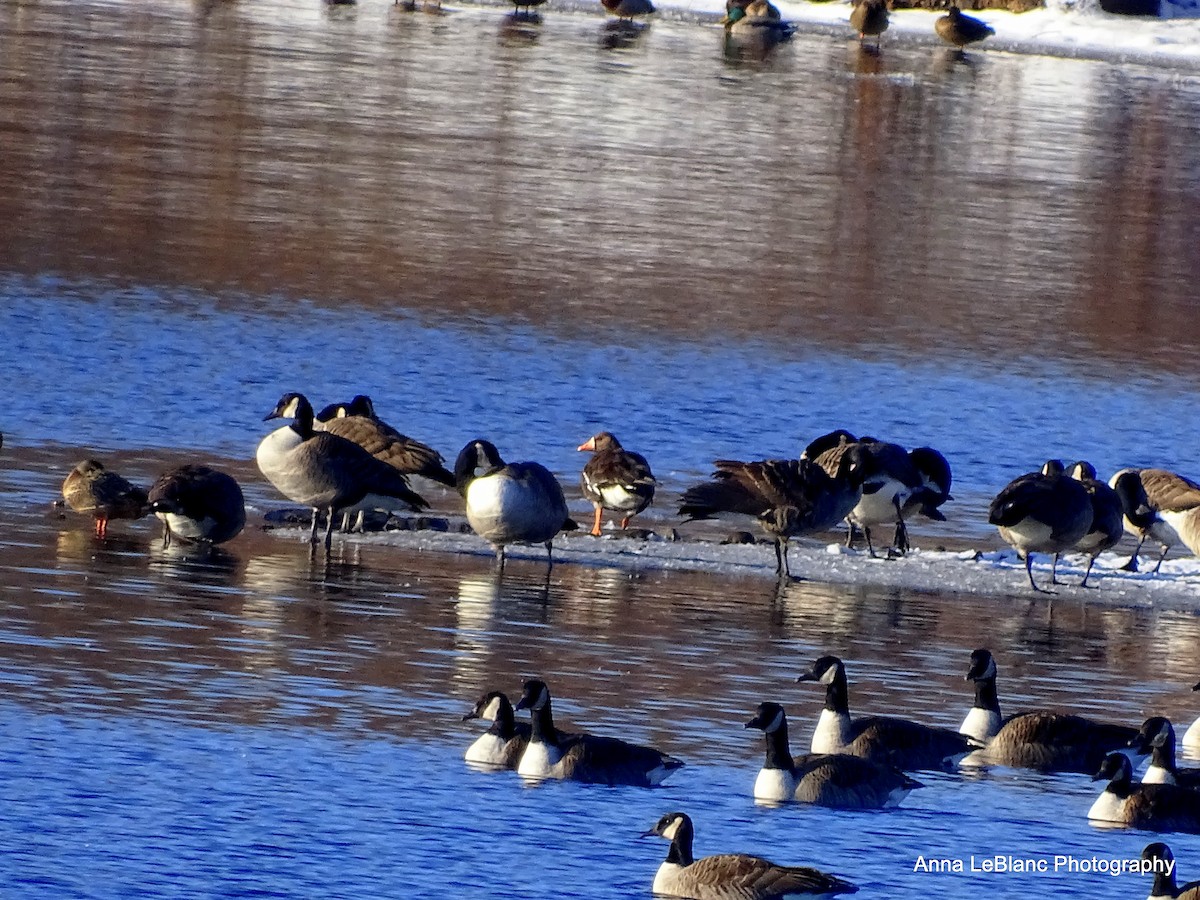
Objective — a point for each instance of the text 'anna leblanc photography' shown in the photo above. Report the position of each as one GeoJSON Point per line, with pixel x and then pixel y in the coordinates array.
{"type": "Point", "coordinates": [1002, 864]}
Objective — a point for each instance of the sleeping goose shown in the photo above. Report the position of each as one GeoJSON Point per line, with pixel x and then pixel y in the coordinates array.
{"type": "Point", "coordinates": [1157, 737]}
{"type": "Point", "coordinates": [503, 743]}
{"type": "Point", "coordinates": [836, 780]}
{"type": "Point", "coordinates": [1041, 740]}
{"type": "Point", "coordinates": [321, 470]}
{"type": "Point", "coordinates": [616, 479]}
{"type": "Point", "coordinates": [1191, 737]}
{"type": "Point", "coordinates": [510, 503]}
{"type": "Point", "coordinates": [959, 29]}
{"type": "Point", "coordinates": [1161, 505]}
{"type": "Point", "coordinates": [357, 421]}
{"type": "Point", "coordinates": [584, 757]}
{"type": "Point", "coordinates": [1165, 886]}
{"type": "Point", "coordinates": [198, 504]}
{"type": "Point", "coordinates": [1151, 807]}
{"type": "Point", "coordinates": [881, 739]}
{"type": "Point", "coordinates": [91, 488]}
{"type": "Point", "coordinates": [1107, 514]}
{"type": "Point", "coordinates": [731, 876]}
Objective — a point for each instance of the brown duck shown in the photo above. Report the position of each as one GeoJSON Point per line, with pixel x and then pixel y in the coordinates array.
{"type": "Point", "coordinates": [91, 488]}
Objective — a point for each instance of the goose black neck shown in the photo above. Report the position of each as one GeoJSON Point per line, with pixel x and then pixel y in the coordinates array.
{"type": "Point", "coordinates": [680, 852]}
{"type": "Point", "coordinates": [1164, 883]}
{"type": "Point", "coordinates": [986, 696]}
{"type": "Point", "coordinates": [1121, 785]}
{"type": "Point", "coordinates": [837, 694]}
{"type": "Point", "coordinates": [302, 421]}
{"type": "Point", "coordinates": [542, 725]}
{"type": "Point", "coordinates": [1163, 756]}
{"type": "Point", "coordinates": [779, 755]}
{"type": "Point", "coordinates": [505, 724]}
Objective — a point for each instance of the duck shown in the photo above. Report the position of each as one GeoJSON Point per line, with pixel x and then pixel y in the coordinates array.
{"type": "Point", "coordinates": [889, 741]}
{"type": "Point", "coordinates": [1157, 738]}
{"type": "Point", "coordinates": [589, 758]}
{"type": "Point", "coordinates": [628, 9]}
{"type": "Point", "coordinates": [731, 876]}
{"type": "Point", "coordinates": [510, 503]}
{"type": "Point", "coordinates": [789, 497]}
{"type": "Point", "coordinates": [91, 488]}
{"type": "Point", "coordinates": [1151, 807]}
{"type": "Point", "coordinates": [198, 504]}
{"type": "Point", "coordinates": [1042, 512]}
{"type": "Point", "coordinates": [1039, 739]}
{"type": "Point", "coordinates": [1107, 514]}
{"type": "Point", "coordinates": [324, 471]}
{"type": "Point", "coordinates": [758, 21]}
{"type": "Point", "coordinates": [502, 745]}
{"type": "Point", "coordinates": [836, 780]}
{"type": "Point", "coordinates": [1191, 737]}
{"type": "Point", "coordinates": [869, 17]}
{"type": "Point", "coordinates": [616, 479]}
{"type": "Point", "coordinates": [1161, 505]}
{"type": "Point", "coordinates": [1165, 887]}
{"type": "Point", "coordinates": [959, 29]}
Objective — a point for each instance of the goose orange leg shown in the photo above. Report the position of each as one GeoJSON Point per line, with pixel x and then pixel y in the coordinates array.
{"type": "Point", "coordinates": [596, 523]}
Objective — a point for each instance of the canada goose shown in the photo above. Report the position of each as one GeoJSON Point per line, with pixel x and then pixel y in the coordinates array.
{"type": "Point", "coordinates": [1165, 887]}
{"type": "Point", "coordinates": [356, 421]}
{"type": "Point", "coordinates": [584, 757]}
{"type": "Point", "coordinates": [1157, 737]}
{"type": "Point", "coordinates": [628, 9]}
{"type": "Point", "coordinates": [960, 30]}
{"type": "Point", "coordinates": [869, 17]}
{"type": "Point", "coordinates": [1043, 512]}
{"type": "Point", "coordinates": [731, 876]}
{"type": "Point", "coordinates": [91, 488]}
{"type": "Point", "coordinates": [1191, 737]}
{"type": "Point", "coordinates": [501, 745]}
{"type": "Point", "coordinates": [789, 497]}
{"type": "Point", "coordinates": [836, 780]}
{"type": "Point", "coordinates": [322, 470]}
{"type": "Point", "coordinates": [513, 503]}
{"type": "Point", "coordinates": [1039, 739]}
{"type": "Point", "coordinates": [196, 503]}
{"type": "Point", "coordinates": [881, 739]}
{"type": "Point", "coordinates": [1107, 514]}
{"type": "Point", "coordinates": [1152, 807]}
{"type": "Point", "coordinates": [615, 478]}
{"type": "Point", "coordinates": [927, 500]}
{"type": "Point", "coordinates": [1161, 505]}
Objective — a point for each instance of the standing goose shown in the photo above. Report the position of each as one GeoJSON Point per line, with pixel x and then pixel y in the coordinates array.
{"type": "Point", "coordinates": [1041, 740]}
{"type": "Point", "coordinates": [936, 478]}
{"type": "Point", "coordinates": [1042, 512]}
{"type": "Point", "coordinates": [870, 17]}
{"type": "Point", "coordinates": [960, 30]}
{"type": "Point", "coordinates": [198, 504]}
{"type": "Point", "coordinates": [1165, 886]}
{"type": "Point", "coordinates": [91, 488]}
{"type": "Point", "coordinates": [1157, 737]}
{"type": "Point", "coordinates": [616, 479]}
{"type": "Point", "coordinates": [321, 470]}
{"type": "Point", "coordinates": [513, 503]}
{"type": "Point", "coordinates": [881, 739]}
{"type": "Point", "coordinates": [502, 745]}
{"type": "Point", "coordinates": [1191, 737]}
{"type": "Point", "coordinates": [584, 757]}
{"type": "Point", "coordinates": [1151, 807]}
{"type": "Point", "coordinates": [1161, 505]}
{"type": "Point", "coordinates": [1107, 513]}
{"type": "Point", "coordinates": [731, 876]}
{"type": "Point", "coordinates": [837, 780]}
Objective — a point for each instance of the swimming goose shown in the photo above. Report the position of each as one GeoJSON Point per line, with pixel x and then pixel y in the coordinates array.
{"type": "Point", "coordinates": [91, 488]}
{"type": "Point", "coordinates": [502, 745]}
{"type": "Point", "coordinates": [1041, 740]}
{"type": "Point", "coordinates": [321, 470]}
{"type": "Point", "coordinates": [1043, 512]}
{"type": "Point", "coordinates": [513, 503]}
{"type": "Point", "coordinates": [1107, 513]}
{"type": "Point", "coordinates": [881, 739]}
{"type": "Point", "coordinates": [1191, 737]}
{"type": "Point", "coordinates": [1161, 505]}
{"type": "Point", "coordinates": [199, 504]}
{"type": "Point", "coordinates": [869, 17]}
{"type": "Point", "coordinates": [789, 497]}
{"type": "Point", "coordinates": [616, 479]}
{"type": "Point", "coordinates": [837, 780]}
{"type": "Point", "coordinates": [1165, 886]}
{"type": "Point", "coordinates": [357, 421]}
{"type": "Point", "coordinates": [584, 757]}
{"type": "Point", "coordinates": [1157, 737]}
{"type": "Point", "coordinates": [731, 876]}
{"type": "Point", "coordinates": [1152, 807]}
{"type": "Point", "coordinates": [960, 30]}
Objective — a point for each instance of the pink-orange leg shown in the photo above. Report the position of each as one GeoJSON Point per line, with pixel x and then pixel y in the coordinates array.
{"type": "Point", "coordinates": [625, 522]}
{"type": "Point", "coordinates": [101, 527]}
{"type": "Point", "coordinates": [596, 523]}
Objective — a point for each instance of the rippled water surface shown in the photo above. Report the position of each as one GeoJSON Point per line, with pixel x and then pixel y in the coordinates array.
{"type": "Point", "coordinates": [529, 232]}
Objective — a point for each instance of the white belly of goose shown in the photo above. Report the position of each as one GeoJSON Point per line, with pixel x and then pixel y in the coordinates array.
{"type": "Point", "coordinates": [615, 496]}
{"type": "Point", "coordinates": [503, 510]}
{"type": "Point", "coordinates": [666, 879]}
{"type": "Point", "coordinates": [879, 507]}
{"type": "Point", "coordinates": [1183, 524]}
{"type": "Point", "coordinates": [188, 529]}
{"type": "Point", "coordinates": [830, 734]}
{"type": "Point", "coordinates": [487, 749]}
{"type": "Point", "coordinates": [539, 761]}
{"type": "Point", "coordinates": [981, 724]}
{"type": "Point", "coordinates": [1157, 775]}
{"type": "Point", "coordinates": [1108, 808]}
{"type": "Point", "coordinates": [291, 476]}
{"type": "Point", "coordinates": [1191, 738]}
{"type": "Point", "coordinates": [774, 785]}
{"type": "Point", "coordinates": [1027, 534]}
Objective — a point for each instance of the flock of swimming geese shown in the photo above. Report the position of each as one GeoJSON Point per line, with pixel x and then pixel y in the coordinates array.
{"type": "Point", "coordinates": [860, 763]}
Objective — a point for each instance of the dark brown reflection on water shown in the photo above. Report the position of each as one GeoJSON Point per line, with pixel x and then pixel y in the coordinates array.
{"type": "Point", "coordinates": [440, 163]}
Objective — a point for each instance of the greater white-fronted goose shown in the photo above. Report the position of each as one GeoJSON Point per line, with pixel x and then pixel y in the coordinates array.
{"type": "Point", "coordinates": [510, 503]}
{"type": "Point", "coordinates": [91, 488]}
{"type": "Point", "coordinates": [885, 740]}
{"type": "Point", "coordinates": [1042, 512]}
{"type": "Point", "coordinates": [616, 479]}
{"type": "Point", "coordinates": [584, 757]}
{"type": "Point", "coordinates": [1107, 513]}
{"type": "Point", "coordinates": [1166, 887]}
{"type": "Point", "coordinates": [959, 29]}
{"type": "Point", "coordinates": [1161, 505]}
{"type": "Point", "coordinates": [1151, 807]}
{"type": "Point", "coordinates": [731, 876]}
{"type": "Point", "coordinates": [321, 470]}
{"type": "Point", "coordinates": [836, 780]}
{"type": "Point", "coordinates": [1157, 737]}
{"type": "Point", "coordinates": [198, 504]}
{"type": "Point", "coordinates": [1039, 739]}
{"type": "Point", "coordinates": [503, 744]}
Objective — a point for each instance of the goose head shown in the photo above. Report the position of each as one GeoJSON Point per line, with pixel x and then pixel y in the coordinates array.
{"type": "Point", "coordinates": [769, 718]}
{"type": "Point", "coordinates": [1053, 468]}
{"type": "Point", "coordinates": [824, 670]}
{"type": "Point", "coordinates": [602, 441]}
{"type": "Point", "coordinates": [983, 665]}
{"type": "Point", "coordinates": [535, 695]}
{"type": "Point", "coordinates": [673, 826]}
{"type": "Point", "coordinates": [291, 406]}
{"type": "Point", "coordinates": [1116, 768]}
{"type": "Point", "coordinates": [1156, 731]}
{"type": "Point", "coordinates": [478, 458]}
{"type": "Point", "coordinates": [492, 706]}
{"type": "Point", "coordinates": [1083, 471]}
